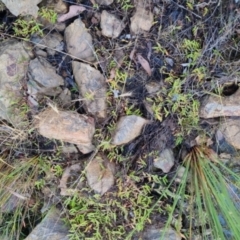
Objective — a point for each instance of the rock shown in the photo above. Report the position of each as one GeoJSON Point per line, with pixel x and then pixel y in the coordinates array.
{"type": "Point", "coordinates": [92, 87]}
{"type": "Point", "coordinates": [221, 106]}
{"type": "Point", "coordinates": [14, 59]}
{"type": "Point", "coordinates": [104, 2]}
{"type": "Point", "coordinates": [142, 20]}
{"type": "Point", "coordinates": [222, 146]}
{"type": "Point", "coordinates": [59, 6]}
{"type": "Point", "coordinates": [51, 227]}
{"type": "Point", "coordinates": [67, 126]}
{"type": "Point", "coordinates": [68, 173]}
{"type": "Point", "coordinates": [180, 173]}
{"type": "Point", "coordinates": [155, 233]}
{"type": "Point", "coordinates": [23, 7]}
{"type": "Point", "coordinates": [111, 25]}
{"type": "Point", "coordinates": [152, 87]}
{"type": "Point", "coordinates": [64, 98]}
{"type": "Point", "coordinates": [128, 128]}
{"type": "Point", "coordinates": [230, 128]}
{"type": "Point", "coordinates": [165, 161]}
{"type": "Point", "coordinates": [100, 175]}
{"type": "Point", "coordinates": [79, 41]}
{"type": "Point", "coordinates": [43, 79]}
{"type": "Point", "coordinates": [50, 42]}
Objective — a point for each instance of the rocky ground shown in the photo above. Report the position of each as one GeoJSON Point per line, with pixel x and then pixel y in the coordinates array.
{"type": "Point", "coordinates": [100, 103]}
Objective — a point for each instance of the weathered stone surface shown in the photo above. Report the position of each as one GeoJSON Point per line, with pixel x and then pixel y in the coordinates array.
{"type": "Point", "coordinates": [67, 126]}
{"type": "Point", "coordinates": [43, 79]}
{"type": "Point", "coordinates": [128, 128]}
{"type": "Point", "coordinates": [221, 106]}
{"type": "Point", "coordinates": [104, 2]}
{"type": "Point", "coordinates": [111, 25]}
{"type": "Point", "coordinates": [142, 19]}
{"type": "Point", "coordinates": [155, 233]}
{"type": "Point", "coordinates": [230, 128]}
{"type": "Point", "coordinates": [92, 87]}
{"type": "Point", "coordinates": [51, 227]}
{"type": "Point", "coordinates": [79, 41]}
{"type": "Point", "coordinates": [14, 59]}
{"type": "Point", "coordinates": [165, 161]}
{"type": "Point", "coordinates": [59, 6]}
{"type": "Point", "coordinates": [50, 42]}
{"type": "Point", "coordinates": [23, 7]}
{"type": "Point", "coordinates": [100, 175]}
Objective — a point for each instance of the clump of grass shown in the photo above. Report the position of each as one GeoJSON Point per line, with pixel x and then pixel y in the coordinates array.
{"type": "Point", "coordinates": [210, 189]}
{"type": "Point", "coordinates": [17, 185]}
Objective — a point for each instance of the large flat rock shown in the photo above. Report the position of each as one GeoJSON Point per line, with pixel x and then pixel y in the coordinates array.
{"type": "Point", "coordinates": [67, 126]}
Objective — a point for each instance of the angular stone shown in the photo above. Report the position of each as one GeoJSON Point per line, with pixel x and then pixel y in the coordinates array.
{"type": "Point", "coordinates": [67, 126]}
{"type": "Point", "coordinates": [14, 59]}
{"type": "Point", "coordinates": [43, 79]}
{"type": "Point", "coordinates": [100, 175]}
{"type": "Point", "coordinates": [165, 161]}
{"type": "Point", "coordinates": [104, 2]}
{"type": "Point", "coordinates": [154, 233]}
{"type": "Point", "coordinates": [111, 25]}
{"type": "Point", "coordinates": [214, 106]}
{"type": "Point", "coordinates": [23, 7]}
{"type": "Point", "coordinates": [92, 87]}
{"type": "Point", "coordinates": [230, 128]}
{"type": "Point", "coordinates": [79, 41]}
{"type": "Point", "coordinates": [142, 20]}
{"type": "Point", "coordinates": [51, 227]}
{"type": "Point", "coordinates": [128, 128]}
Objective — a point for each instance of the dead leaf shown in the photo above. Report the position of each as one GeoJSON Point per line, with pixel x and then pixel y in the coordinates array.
{"type": "Point", "coordinates": [145, 64]}
{"type": "Point", "coordinates": [74, 10]}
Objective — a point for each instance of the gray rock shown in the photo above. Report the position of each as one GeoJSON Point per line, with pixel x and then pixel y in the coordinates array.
{"type": "Point", "coordinates": [43, 79]}
{"type": "Point", "coordinates": [154, 233]}
{"type": "Point", "coordinates": [128, 128]}
{"type": "Point", "coordinates": [111, 25]}
{"type": "Point", "coordinates": [51, 227]}
{"type": "Point", "coordinates": [79, 41]}
{"type": "Point", "coordinates": [142, 19]}
{"type": "Point", "coordinates": [50, 42]}
{"type": "Point", "coordinates": [100, 175]}
{"type": "Point", "coordinates": [214, 106]}
{"type": "Point", "coordinates": [104, 2]}
{"type": "Point", "coordinates": [14, 60]}
{"type": "Point", "coordinates": [67, 126]}
{"type": "Point", "coordinates": [23, 7]}
{"type": "Point", "coordinates": [165, 161]}
{"type": "Point", "coordinates": [230, 128]}
{"type": "Point", "coordinates": [92, 87]}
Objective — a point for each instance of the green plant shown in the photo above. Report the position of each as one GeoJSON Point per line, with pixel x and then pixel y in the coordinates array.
{"type": "Point", "coordinates": [48, 14]}
{"type": "Point", "coordinates": [116, 215]}
{"type": "Point", "coordinates": [211, 192]}
{"type": "Point", "coordinates": [192, 50]}
{"type": "Point", "coordinates": [25, 28]}
{"type": "Point", "coordinates": [125, 4]}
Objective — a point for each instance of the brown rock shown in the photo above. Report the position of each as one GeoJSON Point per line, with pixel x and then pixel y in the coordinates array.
{"type": "Point", "coordinates": [67, 126]}
{"type": "Point", "coordinates": [92, 87]}
{"type": "Point", "coordinates": [79, 41]}
{"type": "Point", "coordinates": [100, 175]}
{"type": "Point", "coordinates": [142, 20]}
{"type": "Point", "coordinates": [128, 128]}
{"type": "Point", "coordinates": [111, 25]}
